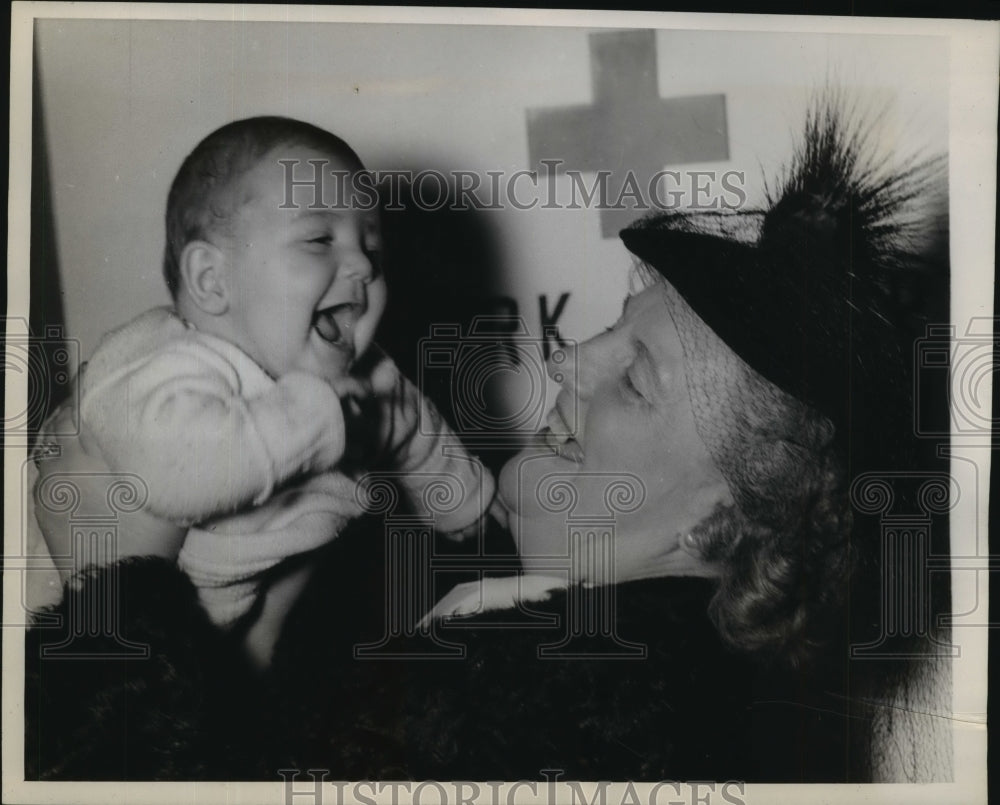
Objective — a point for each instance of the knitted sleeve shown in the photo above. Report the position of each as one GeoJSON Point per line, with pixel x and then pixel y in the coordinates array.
{"type": "Point", "coordinates": [177, 419]}
{"type": "Point", "coordinates": [433, 468]}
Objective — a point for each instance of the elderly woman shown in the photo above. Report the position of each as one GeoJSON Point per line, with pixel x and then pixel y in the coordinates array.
{"type": "Point", "coordinates": [685, 538]}
{"type": "Point", "coordinates": [686, 533]}
{"type": "Point", "coordinates": [765, 364]}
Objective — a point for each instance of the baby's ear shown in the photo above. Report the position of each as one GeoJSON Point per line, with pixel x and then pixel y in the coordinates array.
{"type": "Point", "coordinates": [203, 274]}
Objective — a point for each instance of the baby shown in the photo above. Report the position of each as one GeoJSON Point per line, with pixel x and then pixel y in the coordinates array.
{"type": "Point", "coordinates": [252, 407]}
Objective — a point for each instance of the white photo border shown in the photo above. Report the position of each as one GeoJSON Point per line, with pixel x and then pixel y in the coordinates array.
{"type": "Point", "coordinates": [972, 150]}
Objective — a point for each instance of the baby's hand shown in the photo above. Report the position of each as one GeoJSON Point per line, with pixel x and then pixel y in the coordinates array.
{"type": "Point", "coordinates": [338, 421]}
{"type": "Point", "coordinates": [377, 408]}
{"type": "Point", "coordinates": [353, 393]}
{"type": "Point", "coordinates": [359, 403]}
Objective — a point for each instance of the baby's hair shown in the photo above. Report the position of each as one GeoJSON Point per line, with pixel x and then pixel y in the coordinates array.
{"type": "Point", "coordinates": [203, 196]}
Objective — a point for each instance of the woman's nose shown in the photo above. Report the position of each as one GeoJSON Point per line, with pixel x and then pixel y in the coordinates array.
{"type": "Point", "coordinates": [583, 365]}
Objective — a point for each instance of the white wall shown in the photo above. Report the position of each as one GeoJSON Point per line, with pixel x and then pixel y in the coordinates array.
{"type": "Point", "coordinates": [124, 101]}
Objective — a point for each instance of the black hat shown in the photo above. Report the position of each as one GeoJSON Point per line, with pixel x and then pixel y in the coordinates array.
{"type": "Point", "coordinates": [823, 292]}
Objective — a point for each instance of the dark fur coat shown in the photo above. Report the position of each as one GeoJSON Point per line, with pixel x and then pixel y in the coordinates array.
{"type": "Point", "coordinates": [689, 709]}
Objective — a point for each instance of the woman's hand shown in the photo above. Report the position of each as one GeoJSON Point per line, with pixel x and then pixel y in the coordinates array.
{"type": "Point", "coordinates": [487, 595]}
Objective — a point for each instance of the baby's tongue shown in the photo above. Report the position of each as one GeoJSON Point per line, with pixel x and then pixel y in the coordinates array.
{"type": "Point", "coordinates": [327, 327]}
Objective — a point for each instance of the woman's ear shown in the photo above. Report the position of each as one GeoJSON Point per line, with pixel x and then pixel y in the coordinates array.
{"type": "Point", "coordinates": [707, 504]}
{"type": "Point", "coordinates": [203, 268]}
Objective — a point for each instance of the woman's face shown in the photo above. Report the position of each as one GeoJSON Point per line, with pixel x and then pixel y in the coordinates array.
{"type": "Point", "coordinates": [621, 427]}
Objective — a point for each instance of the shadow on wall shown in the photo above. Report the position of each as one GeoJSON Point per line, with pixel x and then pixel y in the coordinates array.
{"type": "Point", "coordinates": [444, 271]}
{"type": "Point", "coordinates": [50, 355]}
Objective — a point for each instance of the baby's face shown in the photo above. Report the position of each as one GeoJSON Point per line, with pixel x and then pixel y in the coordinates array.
{"type": "Point", "coordinates": [304, 290]}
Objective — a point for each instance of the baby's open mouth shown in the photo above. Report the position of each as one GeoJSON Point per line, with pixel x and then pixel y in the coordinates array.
{"type": "Point", "coordinates": [335, 324]}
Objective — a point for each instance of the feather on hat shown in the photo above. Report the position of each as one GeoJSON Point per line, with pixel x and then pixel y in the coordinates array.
{"type": "Point", "coordinates": [823, 291]}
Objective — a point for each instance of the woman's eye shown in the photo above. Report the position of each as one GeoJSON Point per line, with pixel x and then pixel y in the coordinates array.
{"type": "Point", "coordinates": [323, 240]}
{"type": "Point", "coordinates": [630, 387]}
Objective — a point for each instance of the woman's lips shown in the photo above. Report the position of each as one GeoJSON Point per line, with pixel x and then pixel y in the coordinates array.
{"type": "Point", "coordinates": [559, 438]}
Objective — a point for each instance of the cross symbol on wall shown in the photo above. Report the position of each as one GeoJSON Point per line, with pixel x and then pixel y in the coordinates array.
{"type": "Point", "coordinates": [629, 127]}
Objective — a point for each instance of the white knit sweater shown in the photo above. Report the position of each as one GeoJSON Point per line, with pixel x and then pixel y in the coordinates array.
{"type": "Point", "coordinates": [244, 460]}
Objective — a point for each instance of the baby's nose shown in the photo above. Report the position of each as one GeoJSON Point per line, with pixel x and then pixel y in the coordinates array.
{"type": "Point", "coordinates": [356, 265]}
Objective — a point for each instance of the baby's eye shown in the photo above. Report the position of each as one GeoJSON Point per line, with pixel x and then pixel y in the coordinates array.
{"type": "Point", "coordinates": [371, 237]}
{"type": "Point", "coordinates": [321, 239]}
